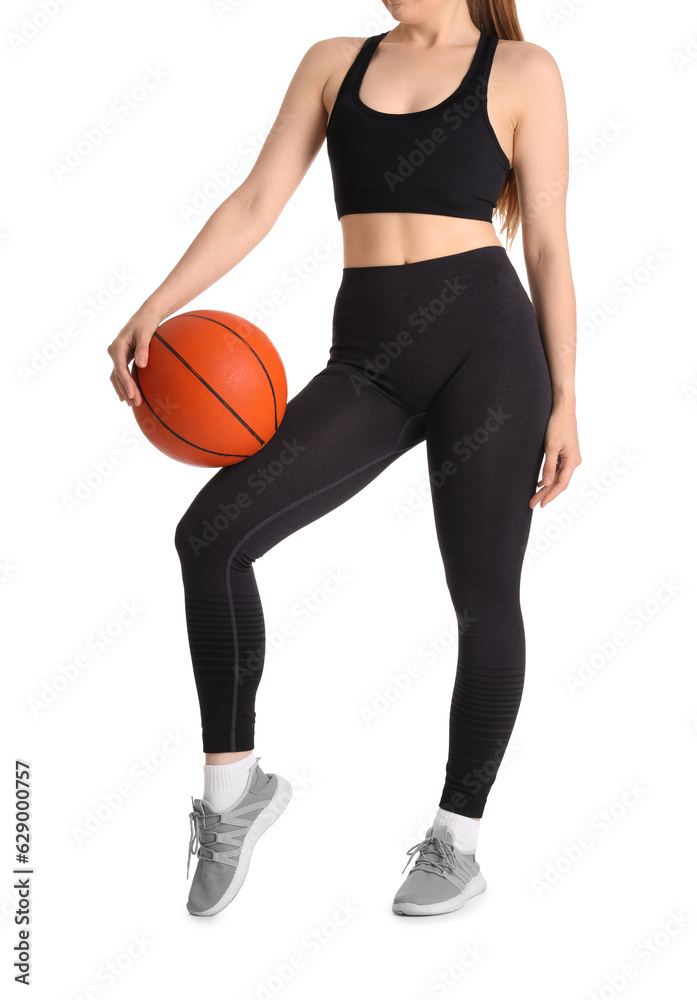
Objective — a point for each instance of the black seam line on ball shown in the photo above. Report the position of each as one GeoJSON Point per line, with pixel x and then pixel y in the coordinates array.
{"type": "Point", "coordinates": [209, 387]}
{"type": "Point", "coordinates": [222, 454]}
{"type": "Point", "coordinates": [209, 319]}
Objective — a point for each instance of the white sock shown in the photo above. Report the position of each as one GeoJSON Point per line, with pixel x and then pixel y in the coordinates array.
{"type": "Point", "coordinates": [463, 828]}
{"type": "Point", "coordinates": [223, 784]}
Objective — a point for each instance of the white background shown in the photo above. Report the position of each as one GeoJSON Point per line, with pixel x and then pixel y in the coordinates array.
{"type": "Point", "coordinates": [568, 925]}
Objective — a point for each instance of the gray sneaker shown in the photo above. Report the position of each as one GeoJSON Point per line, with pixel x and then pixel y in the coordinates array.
{"type": "Point", "coordinates": [223, 841]}
{"type": "Point", "coordinates": [443, 878]}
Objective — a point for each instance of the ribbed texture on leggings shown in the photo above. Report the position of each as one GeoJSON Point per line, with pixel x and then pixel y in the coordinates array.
{"type": "Point", "coordinates": [227, 647]}
{"type": "Point", "coordinates": [486, 697]}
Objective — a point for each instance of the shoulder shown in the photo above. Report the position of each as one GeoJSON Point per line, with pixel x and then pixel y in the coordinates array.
{"type": "Point", "coordinates": [530, 80]}
{"type": "Point", "coordinates": [332, 52]}
{"type": "Point", "coordinates": [526, 62]}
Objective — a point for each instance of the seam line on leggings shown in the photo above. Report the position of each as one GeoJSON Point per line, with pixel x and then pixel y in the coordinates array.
{"type": "Point", "coordinates": [277, 513]}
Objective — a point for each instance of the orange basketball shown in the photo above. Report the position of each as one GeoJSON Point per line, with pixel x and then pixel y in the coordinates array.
{"type": "Point", "coordinates": [214, 388]}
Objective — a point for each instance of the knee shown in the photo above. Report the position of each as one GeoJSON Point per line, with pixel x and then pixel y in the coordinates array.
{"type": "Point", "coordinates": [182, 536]}
{"type": "Point", "coordinates": [205, 534]}
{"type": "Point", "coordinates": [490, 584]}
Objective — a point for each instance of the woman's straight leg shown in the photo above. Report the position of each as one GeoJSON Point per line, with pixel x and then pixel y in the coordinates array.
{"type": "Point", "coordinates": [485, 433]}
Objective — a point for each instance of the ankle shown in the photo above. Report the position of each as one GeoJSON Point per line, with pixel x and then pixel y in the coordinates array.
{"type": "Point", "coordinates": [465, 829]}
{"type": "Point", "coordinates": [227, 758]}
{"type": "Point", "coordinates": [224, 784]}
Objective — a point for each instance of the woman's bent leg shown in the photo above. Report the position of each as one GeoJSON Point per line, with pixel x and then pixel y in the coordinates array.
{"type": "Point", "coordinates": [334, 438]}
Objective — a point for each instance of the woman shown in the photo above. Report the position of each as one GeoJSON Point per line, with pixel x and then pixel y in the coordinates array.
{"type": "Point", "coordinates": [434, 339]}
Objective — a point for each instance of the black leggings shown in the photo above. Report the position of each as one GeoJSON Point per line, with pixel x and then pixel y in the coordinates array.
{"type": "Point", "coordinates": [447, 351]}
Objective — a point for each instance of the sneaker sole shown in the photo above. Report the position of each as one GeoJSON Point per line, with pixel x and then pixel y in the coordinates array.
{"type": "Point", "coordinates": [266, 818]}
{"type": "Point", "coordinates": [473, 887]}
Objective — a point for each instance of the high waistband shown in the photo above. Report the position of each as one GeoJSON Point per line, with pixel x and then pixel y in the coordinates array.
{"type": "Point", "coordinates": [430, 269]}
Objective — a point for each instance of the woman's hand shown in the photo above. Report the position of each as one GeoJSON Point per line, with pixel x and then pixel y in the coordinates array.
{"type": "Point", "coordinates": [562, 455]}
{"type": "Point", "coordinates": [132, 341]}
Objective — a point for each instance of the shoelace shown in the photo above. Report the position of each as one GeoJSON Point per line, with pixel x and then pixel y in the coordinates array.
{"type": "Point", "coordinates": [194, 836]}
{"type": "Point", "coordinates": [445, 856]}
{"type": "Point", "coordinates": [196, 824]}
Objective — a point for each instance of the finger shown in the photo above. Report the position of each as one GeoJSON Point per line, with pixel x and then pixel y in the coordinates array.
{"type": "Point", "coordinates": [557, 488]}
{"type": "Point", "coordinates": [540, 495]}
{"type": "Point", "coordinates": [550, 496]}
{"type": "Point", "coordinates": [118, 391]}
{"type": "Point", "coordinates": [142, 351]}
{"type": "Point", "coordinates": [118, 385]}
{"type": "Point", "coordinates": [121, 354]}
{"type": "Point", "coordinates": [121, 388]}
{"type": "Point", "coordinates": [137, 399]}
{"type": "Point", "coordinates": [549, 469]}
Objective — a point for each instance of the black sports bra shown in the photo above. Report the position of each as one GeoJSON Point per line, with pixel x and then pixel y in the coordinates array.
{"type": "Point", "coordinates": [445, 160]}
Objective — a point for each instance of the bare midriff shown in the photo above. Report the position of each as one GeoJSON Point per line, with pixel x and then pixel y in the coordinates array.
{"type": "Point", "coordinates": [378, 238]}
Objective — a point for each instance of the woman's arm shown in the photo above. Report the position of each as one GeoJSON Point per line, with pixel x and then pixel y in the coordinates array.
{"type": "Point", "coordinates": [243, 219]}
{"type": "Point", "coordinates": [541, 163]}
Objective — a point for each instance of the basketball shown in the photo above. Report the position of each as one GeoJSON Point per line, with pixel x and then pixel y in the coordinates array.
{"type": "Point", "coordinates": [214, 388]}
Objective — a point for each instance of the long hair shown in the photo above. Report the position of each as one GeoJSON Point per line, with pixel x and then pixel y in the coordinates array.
{"type": "Point", "coordinates": [500, 18]}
